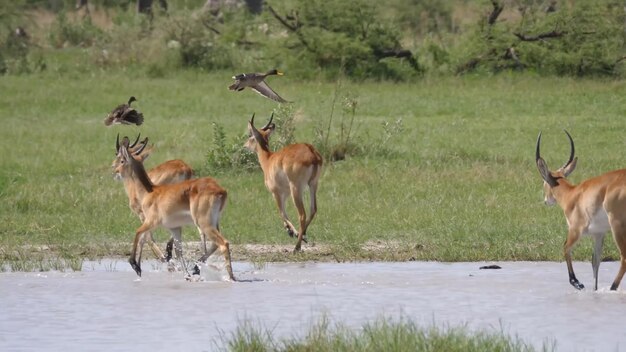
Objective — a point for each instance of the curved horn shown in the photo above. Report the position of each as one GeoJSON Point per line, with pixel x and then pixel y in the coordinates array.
{"type": "Point", "coordinates": [136, 140]}
{"type": "Point", "coordinates": [571, 148]}
{"type": "Point", "coordinates": [142, 147]}
{"type": "Point", "coordinates": [538, 153]}
{"type": "Point", "coordinates": [543, 167]}
{"type": "Point", "coordinates": [117, 144]}
{"type": "Point", "coordinates": [252, 119]}
{"type": "Point", "coordinates": [267, 125]}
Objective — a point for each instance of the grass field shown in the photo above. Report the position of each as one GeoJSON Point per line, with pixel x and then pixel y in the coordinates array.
{"type": "Point", "coordinates": [459, 183]}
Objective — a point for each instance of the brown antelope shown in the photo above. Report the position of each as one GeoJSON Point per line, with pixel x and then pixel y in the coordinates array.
{"type": "Point", "coordinates": [171, 171]}
{"type": "Point", "coordinates": [198, 201]}
{"type": "Point", "coordinates": [287, 171]}
{"type": "Point", "coordinates": [592, 207]}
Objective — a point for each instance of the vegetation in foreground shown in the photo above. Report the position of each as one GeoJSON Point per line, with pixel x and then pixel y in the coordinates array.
{"type": "Point", "coordinates": [438, 169]}
{"type": "Point", "coordinates": [383, 335]}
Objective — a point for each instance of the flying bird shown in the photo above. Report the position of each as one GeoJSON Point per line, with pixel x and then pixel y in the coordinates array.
{"type": "Point", "coordinates": [256, 82]}
{"type": "Point", "coordinates": [124, 115]}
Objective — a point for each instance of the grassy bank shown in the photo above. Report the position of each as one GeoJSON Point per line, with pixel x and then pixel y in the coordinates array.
{"type": "Point", "coordinates": [383, 335]}
{"type": "Point", "coordinates": [457, 183]}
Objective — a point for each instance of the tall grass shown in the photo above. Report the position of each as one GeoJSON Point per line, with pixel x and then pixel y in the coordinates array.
{"type": "Point", "coordinates": [458, 181]}
{"type": "Point", "coordinates": [382, 335]}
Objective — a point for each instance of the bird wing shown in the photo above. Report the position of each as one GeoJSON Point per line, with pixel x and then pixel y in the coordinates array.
{"type": "Point", "coordinates": [131, 116]}
{"type": "Point", "coordinates": [265, 90]}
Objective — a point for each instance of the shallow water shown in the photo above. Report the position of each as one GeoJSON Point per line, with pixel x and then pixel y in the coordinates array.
{"type": "Point", "coordinates": [106, 307]}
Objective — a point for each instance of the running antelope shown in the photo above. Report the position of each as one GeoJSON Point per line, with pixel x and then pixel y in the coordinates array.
{"type": "Point", "coordinates": [198, 201]}
{"type": "Point", "coordinates": [592, 207]}
{"type": "Point", "coordinates": [171, 171]}
{"type": "Point", "coordinates": [287, 171]}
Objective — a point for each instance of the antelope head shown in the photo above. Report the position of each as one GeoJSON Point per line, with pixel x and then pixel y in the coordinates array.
{"type": "Point", "coordinates": [551, 178]}
{"type": "Point", "coordinates": [259, 137]}
{"type": "Point", "coordinates": [138, 151]}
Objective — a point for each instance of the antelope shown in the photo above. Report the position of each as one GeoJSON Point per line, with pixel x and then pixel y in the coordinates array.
{"type": "Point", "coordinates": [198, 201]}
{"type": "Point", "coordinates": [171, 171]}
{"type": "Point", "coordinates": [287, 171]}
{"type": "Point", "coordinates": [592, 207]}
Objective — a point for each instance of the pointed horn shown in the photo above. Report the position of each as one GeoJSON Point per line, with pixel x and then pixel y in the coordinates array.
{"type": "Point", "coordinates": [117, 144]}
{"type": "Point", "coordinates": [142, 147]}
{"type": "Point", "coordinates": [136, 140]}
{"type": "Point", "coordinates": [571, 148]}
{"type": "Point", "coordinates": [267, 125]}
{"type": "Point", "coordinates": [252, 119]}
{"type": "Point", "coordinates": [538, 153]}
{"type": "Point", "coordinates": [543, 167]}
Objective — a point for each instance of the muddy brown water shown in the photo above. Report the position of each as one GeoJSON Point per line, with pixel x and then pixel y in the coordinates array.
{"type": "Point", "coordinates": [105, 306]}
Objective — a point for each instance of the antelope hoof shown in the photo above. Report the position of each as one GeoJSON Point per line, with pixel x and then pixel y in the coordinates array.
{"type": "Point", "coordinates": [135, 266]}
{"type": "Point", "coordinates": [168, 251]}
{"type": "Point", "coordinates": [196, 270]}
{"type": "Point", "coordinates": [577, 285]}
{"type": "Point", "coordinates": [304, 240]}
{"type": "Point", "coordinates": [614, 287]}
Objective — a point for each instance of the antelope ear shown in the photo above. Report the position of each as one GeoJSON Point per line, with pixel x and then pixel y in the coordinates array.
{"type": "Point", "coordinates": [545, 173]}
{"type": "Point", "coordinates": [570, 167]}
{"type": "Point", "coordinates": [256, 134]}
{"type": "Point", "coordinates": [124, 153]}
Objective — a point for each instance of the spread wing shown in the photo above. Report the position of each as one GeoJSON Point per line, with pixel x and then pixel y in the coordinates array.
{"type": "Point", "coordinates": [265, 90]}
{"type": "Point", "coordinates": [131, 116]}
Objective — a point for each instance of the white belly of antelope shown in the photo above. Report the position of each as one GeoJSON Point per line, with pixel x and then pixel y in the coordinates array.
{"type": "Point", "coordinates": [177, 219]}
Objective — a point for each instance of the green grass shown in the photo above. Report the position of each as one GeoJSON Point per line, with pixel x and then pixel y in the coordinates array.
{"type": "Point", "coordinates": [458, 184]}
{"type": "Point", "coordinates": [382, 335]}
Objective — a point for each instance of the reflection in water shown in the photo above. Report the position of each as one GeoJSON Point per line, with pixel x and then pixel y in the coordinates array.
{"type": "Point", "coordinates": [107, 307]}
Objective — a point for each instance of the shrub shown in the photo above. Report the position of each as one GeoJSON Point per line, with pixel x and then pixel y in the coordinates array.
{"type": "Point", "coordinates": [66, 32]}
{"type": "Point", "coordinates": [225, 155]}
{"type": "Point", "coordinates": [339, 139]}
{"type": "Point", "coordinates": [198, 40]}
{"type": "Point", "coordinates": [584, 38]}
{"type": "Point", "coordinates": [348, 37]}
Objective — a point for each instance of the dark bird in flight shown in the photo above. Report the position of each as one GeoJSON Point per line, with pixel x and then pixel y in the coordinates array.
{"type": "Point", "coordinates": [124, 115]}
{"type": "Point", "coordinates": [256, 82]}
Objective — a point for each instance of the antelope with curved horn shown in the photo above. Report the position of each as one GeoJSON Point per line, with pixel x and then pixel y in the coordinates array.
{"type": "Point", "coordinates": [198, 201]}
{"type": "Point", "coordinates": [171, 171]}
{"type": "Point", "coordinates": [592, 207]}
{"type": "Point", "coordinates": [288, 171]}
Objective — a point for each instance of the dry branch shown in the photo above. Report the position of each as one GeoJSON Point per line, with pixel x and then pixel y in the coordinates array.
{"type": "Point", "coordinates": [534, 38]}
{"type": "Point", "coordinates": [497, 10]}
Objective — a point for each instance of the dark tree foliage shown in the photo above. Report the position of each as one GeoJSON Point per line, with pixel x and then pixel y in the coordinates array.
{"type": "Point", "coordinates": [347, 36]}
{"type": "Point", "coordinates": [579, 38]}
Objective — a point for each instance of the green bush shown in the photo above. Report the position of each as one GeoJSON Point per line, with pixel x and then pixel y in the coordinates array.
{"type": "Point", "coordinates": [65, 32]}
{"type": "Point", "coordinates": [228, 155]}
{"type": "Point", "coordinates": [582, 39]}
{"type": "Point", "coordinates": [349, 37]}
{"type": "Point", "coordinates": [198, 41]}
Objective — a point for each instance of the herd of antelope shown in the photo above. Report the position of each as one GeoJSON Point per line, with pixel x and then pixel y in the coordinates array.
{"type": "Point", "coordinates": [170, 196]}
